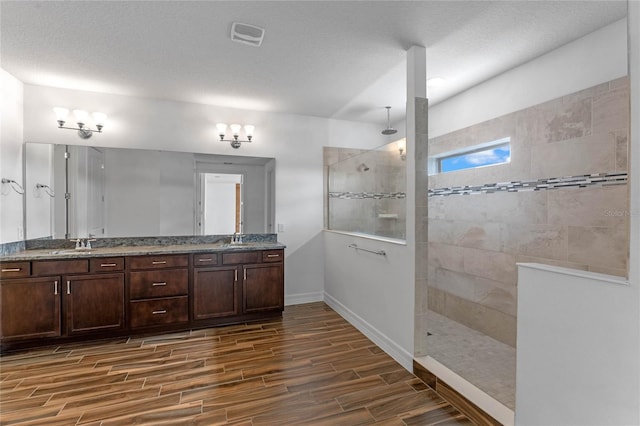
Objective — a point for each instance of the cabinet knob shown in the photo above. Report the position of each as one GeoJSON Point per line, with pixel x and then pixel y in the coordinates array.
{"type": "Point", "coordinates": [55, 287]}
{"type": "Point", "coordinates": [107, 265]}
{"type": "Point", "coordinates": [11, 269]}
{"type": "Point", "coordinates": [163, 311]}
{"type": "Point", "coordinates": [159, 262]}
{"type": "Point", "coordinates": [68, 287]}
{"type": "Point", "coordinates": [158, 284]}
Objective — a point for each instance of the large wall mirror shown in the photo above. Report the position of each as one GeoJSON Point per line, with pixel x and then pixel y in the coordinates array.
{"type": "Point", "coordinates": [81, 191]}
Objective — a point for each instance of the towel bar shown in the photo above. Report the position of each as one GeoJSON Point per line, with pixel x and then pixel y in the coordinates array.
{"type": "Point", "coordinates": [378, 252]}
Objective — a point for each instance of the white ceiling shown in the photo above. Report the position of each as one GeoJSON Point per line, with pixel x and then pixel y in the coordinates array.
{"type": "Point", "coordinates": [339, 59]}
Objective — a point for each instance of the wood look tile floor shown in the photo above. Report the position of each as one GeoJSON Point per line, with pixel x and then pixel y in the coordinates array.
{"type": "Point", "coordinates": [310, 367]}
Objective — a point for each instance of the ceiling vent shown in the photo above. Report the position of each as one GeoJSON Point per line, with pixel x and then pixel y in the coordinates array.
{"type": "Point", "coordinates": [247, 34]}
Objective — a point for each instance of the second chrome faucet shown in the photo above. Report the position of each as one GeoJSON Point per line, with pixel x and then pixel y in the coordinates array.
{"type": "Point", "coordinates": [83, 244]}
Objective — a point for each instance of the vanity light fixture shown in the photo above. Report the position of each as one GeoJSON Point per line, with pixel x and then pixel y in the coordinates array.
{"type": "Point", "coordinates": [235, 133]}
{"type": "Point", "coordinates": [81, 116]}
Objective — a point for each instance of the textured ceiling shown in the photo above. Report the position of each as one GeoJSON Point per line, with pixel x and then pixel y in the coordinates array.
{"type": "Point", "coordinates": [340, 59]}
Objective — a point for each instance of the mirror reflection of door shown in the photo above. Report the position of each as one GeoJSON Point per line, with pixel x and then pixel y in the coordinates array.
{"type": "Point", "coordinates": [87, 191]}
{"type": "Point", "coordinates": [220, 203]}
{"type": "Point", "coordinates": [271, 199]}
{"type": "Point", "coordinates": [95, 193]}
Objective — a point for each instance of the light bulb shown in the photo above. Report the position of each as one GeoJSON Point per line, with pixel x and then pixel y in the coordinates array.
{"type": "Point", "coordinates": [248, 129]}
{"type": "Point", "coordinates": [81, 116]}
{"type": "Point", "coordinates": [61, 113]}
{"type": "Point", "coordinates": [99, 118]}
{"type": "Point", "coordinates": [222, 127]}
{"type": "Point", "coordinates": [402, 144]}
{"type": "Point", "coordinates": [235, 129]}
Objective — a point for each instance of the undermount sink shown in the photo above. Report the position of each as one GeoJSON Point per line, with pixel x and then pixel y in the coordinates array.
{"type": "Point", "coordinates": [69, 251]}
{"type": "Point", "coordinates": [238, 244]}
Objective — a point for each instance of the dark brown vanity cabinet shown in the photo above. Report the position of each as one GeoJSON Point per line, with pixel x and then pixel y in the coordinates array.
{"type": "Point", "coordinates": [62, 298]}
{"type": "Point", "coordinates": [216, 292]}
{"type": "Point", "coordinates": [244, 283]}
{"type": "Point", "coordinates": [216, 289]}
{"type": "Point", "coordinates": [93, 303]}
{"type": "Point", "coordinates": [57, 300]}
{"type": "Point", "coordinates": [158, 290]}
{"type": "Point", "coordinates": [29, 308]}
{"type": "Point", "coordinates": [262, 288]}
{"type": "Point", "coordinates": [262, 276]}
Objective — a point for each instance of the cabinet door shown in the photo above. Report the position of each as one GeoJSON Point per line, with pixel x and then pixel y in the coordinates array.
{"type": "Point", "coordinates": [215, 292]}
{"type": "Point", "coordinates": [94, 303]}
{"type": "Point", "coordinates": [263, 287]}
{"type": "Point", "coordinates": [30, 308]}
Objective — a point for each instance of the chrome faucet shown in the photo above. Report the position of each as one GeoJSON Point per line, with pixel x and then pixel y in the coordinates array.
{"type": "Point", "coordinates": [83, 244]}
{"type": "Point", "coordinates": [236, 238]}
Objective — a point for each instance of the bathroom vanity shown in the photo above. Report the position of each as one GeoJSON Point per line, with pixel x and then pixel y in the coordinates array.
{"type": "Point", "coordinates": [56, 296]}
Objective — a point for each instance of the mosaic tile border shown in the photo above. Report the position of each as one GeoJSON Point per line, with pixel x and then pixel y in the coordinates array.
{"type": "Point", "coordinates": [367, 195]}
{"type": "Point", "coordinates": [580, 181]}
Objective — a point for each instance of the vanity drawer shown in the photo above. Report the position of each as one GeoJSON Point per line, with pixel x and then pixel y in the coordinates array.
{"type": "Point", "coordinates": [169, 310]}
{"type": "Point", "coordinates": [157, 262]}
{"type": "Point", "coordinates": [149, 284]}
{"type": "Point", "coordinates": [205, 259]}
{"type": "Point", "coordinates": [273, 255]}
{"type": "Point", "coordinates": [106, 264]}
{"type": "Point", "coordinates": [59, 267]}
{"type": "Point", "coordinates": [242, 257]}
{"type": "Point", "coordinates": [15, 269]}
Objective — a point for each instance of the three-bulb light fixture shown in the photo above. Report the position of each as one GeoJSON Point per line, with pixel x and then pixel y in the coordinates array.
{"type": "Point", "coordinates": [235, 133]}
{"type": "Point", "coordinates": [81, 118]}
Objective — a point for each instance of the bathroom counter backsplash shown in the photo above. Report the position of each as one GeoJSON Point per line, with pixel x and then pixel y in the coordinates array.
{"type": "Point", "coordinates": [65, 249]}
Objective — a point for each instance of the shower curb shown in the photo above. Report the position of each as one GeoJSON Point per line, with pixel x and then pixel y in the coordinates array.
{"type": "Point", "coordinates": [466, 407]}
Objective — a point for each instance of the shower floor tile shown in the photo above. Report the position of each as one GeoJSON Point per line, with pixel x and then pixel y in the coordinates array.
{"type": "Point", "coordinates": [485, 362]}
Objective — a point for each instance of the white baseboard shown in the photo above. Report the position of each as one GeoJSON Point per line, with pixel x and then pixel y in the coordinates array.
{"type": "Point", "coordinates": [299, 299]}
{"type": "Point", "coordinates": [395, 351]}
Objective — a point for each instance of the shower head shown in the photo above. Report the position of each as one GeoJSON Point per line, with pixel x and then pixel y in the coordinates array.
{"type": "Point", "coordinates": [363, 168]}
{"type": "Point", "coordinates": [389, 130]}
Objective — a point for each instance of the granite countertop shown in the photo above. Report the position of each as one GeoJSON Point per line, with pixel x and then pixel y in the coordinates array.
{"type": "Point", "coordinates": [52, 253]}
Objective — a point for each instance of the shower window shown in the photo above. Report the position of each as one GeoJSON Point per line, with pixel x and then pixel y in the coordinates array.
{"type": "Point", "coordinates": [366, 190]}
{"type": "Point", "coordinates": [486, 154]}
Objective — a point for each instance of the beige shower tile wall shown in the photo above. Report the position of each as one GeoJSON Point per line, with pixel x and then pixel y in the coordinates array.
{"type": "Point", "coordinates": [332, 156]}
{"type": "Point", "coordinates": [344, 172]}
{"type": "Point", "coordinates": [476, 240]}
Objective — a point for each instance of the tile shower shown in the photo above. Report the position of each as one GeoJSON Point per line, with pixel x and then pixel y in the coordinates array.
{"type": "Point", "coordinates": [366, 191]}
{"type": "Point", "coordinates": [562, 200]}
